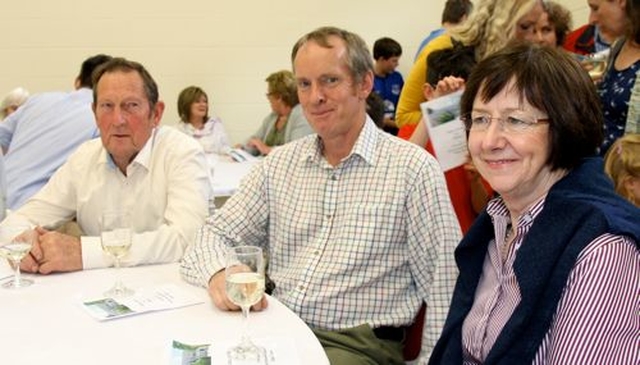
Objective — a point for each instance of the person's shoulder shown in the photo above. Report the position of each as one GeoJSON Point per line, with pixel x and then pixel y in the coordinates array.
{"type": "Point", "coordinates": [179, 141]}
{"type": "Point", "coordinates": [440, 42]}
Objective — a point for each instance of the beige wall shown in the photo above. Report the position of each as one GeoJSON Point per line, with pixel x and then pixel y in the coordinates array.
{"type": "Point", "coordinates": [226, 47]}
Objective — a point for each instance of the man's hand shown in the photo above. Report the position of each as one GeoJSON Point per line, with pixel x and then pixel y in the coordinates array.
{"type": "Point", "coordinates": [218, 294]}
{"type": "Point", "coordinates": [53, 252]}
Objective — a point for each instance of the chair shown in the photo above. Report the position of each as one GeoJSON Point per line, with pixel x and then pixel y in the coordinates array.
{"type": "Point", "coordinates": [413, 336]}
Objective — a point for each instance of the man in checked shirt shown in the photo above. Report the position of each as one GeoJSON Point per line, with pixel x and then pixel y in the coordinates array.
{"type": "Point", "coordinates": [357, 224]}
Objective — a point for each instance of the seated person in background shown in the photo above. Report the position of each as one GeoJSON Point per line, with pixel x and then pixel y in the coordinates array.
{"type": "Point", "coordinates": [553, 25]}
{"type": "Point", "coordinates": [193, 108]}
{"type": "Point", "coordinates": [357, 241]}
{"type": "Point", "coordinates": [39, 137]}
{"type": "Point", "coordinates": [286, 121]}
{"type": "Point", "coordinates": [454, 13]}
{"type": "Point", "coordinates": [375, 109]}
{"type": "Point", "coordinates": [622, 164]}
{"type": "Point", "coordinates": [12, 101]}
{"type": "Point", "coordinates": [550, 272]}
{"type": "Point", "coordinates": [447, 70]}
{"type": "Point", "coordinates": [387, 81]}
{"type": "Point", "coordinates": [157, 174]}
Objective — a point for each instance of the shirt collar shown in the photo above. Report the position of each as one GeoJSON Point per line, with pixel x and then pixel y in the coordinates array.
{"type": "Point", "coordinates": [364, 147]}
{"type": "Point", "coordinates": [143, 158]}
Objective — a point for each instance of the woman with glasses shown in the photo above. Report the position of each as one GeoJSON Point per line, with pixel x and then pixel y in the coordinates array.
{"type": "Point", "coordinates": [286, 122]}
{"type": "Point", "coordinates": [550, 271]}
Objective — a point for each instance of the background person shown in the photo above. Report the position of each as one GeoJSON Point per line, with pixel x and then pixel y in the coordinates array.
{"type": "Point", "coordinates": [619, 89]}
{"type": "Point", "coordinates": [157, 174]}
{"type": "Point", "coordinates": [286, 121]}
{"type": "Point", "coordinates": [12, 101]}
{"type": "Point", "coordinates": [490, 26]}
{"type": "Point", "coordinates": [540, 269]}
{"type": "Point", "coordinates": [40, 136]}
{"type": "Point", "coordinates": [357, 241]}
{"type": "Point", "coordinates": [387, 82]}
{"type": "Point", "coordinates": [193, 108]}
{"type": "Point", "coordinates": [455, 12]}
{"type": "Point", "coordinates": [554, 24]}
{"type": "Point", "coordinates": [622, 164]}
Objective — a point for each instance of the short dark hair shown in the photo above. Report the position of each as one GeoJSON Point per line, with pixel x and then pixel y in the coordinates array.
{"type": "Point", "coordinates": [455, 10]}
{"type": "Point", "coordinates": [550, 80]}
{"type": "Point", "coordinates": [386, 48]}
{"type": "Point", "coordinates": [88, 67]}
{"type": "Point", "coordinates": [187, 97]}
{"type": "Point", "coordinates": [456, 61]}
{"type": "Point", "coordinates": [375, 108]}
{"type": "Point", "coordinates": [124, 65]}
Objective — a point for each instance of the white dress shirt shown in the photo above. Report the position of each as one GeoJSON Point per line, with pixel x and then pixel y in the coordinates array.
{"type": "Point", "coordinates": [165, 190]}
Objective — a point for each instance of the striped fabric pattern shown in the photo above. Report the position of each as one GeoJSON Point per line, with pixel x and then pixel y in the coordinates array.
{"type": "Point", "coordinates": [598, 317]}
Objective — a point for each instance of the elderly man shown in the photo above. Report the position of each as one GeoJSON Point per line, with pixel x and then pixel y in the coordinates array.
{"type": "Point", "coordinates": [159, 175]}
{"type": "Point", "coordinates": [357, 240]}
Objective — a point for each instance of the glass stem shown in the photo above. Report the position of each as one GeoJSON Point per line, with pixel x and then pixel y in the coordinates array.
{"type": "Point", "coordinates": [246, 342]}
{"type": "Point", "coordinates": [118, 286]}
{"type": "Point", "coordinates": [16, 277]}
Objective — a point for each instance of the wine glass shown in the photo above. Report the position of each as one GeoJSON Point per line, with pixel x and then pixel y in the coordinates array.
{"type": "Point", "coordinates": [116, 241]}
{"type": "Point", "coordinates": [245, 287]}
{"type": "Point", "coordinates": [15, 244]}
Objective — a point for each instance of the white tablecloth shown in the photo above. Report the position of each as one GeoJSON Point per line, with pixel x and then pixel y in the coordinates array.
{"type": "Point", "coordinates": [227, 174]}
{"type": "Point", "coordinates": [45, 323]}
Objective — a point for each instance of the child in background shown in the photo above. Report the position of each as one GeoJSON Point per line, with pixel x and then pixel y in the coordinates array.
{"type": "Point", "coordinates": [622, 164]}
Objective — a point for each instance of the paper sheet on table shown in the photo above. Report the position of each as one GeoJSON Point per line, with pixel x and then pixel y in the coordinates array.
{"type": "Point", "coordinates": [277, 351]}
{"type": "Point", "coordinates": [446, 130]}
{"type": "Point", "coordinates": [156, 298]}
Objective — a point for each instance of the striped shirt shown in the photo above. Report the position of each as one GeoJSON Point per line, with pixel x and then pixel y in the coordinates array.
{"type": "Point", "coordinates": [598, 317]}
{"type": "Point", "coordinates": [366, 241]}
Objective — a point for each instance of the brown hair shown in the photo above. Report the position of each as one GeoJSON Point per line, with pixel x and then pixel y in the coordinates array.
{"type": "Point", "coordinates": [553, 82]}
{"type": "Point", "coordinates": [187, 97]}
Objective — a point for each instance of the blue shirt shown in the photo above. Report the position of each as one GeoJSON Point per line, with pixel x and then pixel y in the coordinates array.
{"type": "Point", "coordinates": [389, 87]}
{"type": "Point", "coordinates": [434, 34]}
{"type": "Point", "coordinates": [40, 136]}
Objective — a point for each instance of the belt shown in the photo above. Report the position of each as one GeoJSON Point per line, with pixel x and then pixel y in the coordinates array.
{"type": "Point", "coordinates": [395, 334]}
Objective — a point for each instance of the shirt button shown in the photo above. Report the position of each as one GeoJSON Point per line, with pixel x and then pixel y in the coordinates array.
{"type": "Point", "coordinates": [301, 287]}
{"type": "Point", "coordinates": [334, 177]}
{"type": "Point", "coordinates": [317, 253]}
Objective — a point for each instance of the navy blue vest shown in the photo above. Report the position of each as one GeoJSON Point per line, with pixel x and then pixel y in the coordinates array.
{"type": "Point", "coordinates": [579, 208]}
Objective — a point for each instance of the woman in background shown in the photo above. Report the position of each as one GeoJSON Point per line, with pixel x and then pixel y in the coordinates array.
{"type": "Point", "coordinates": [622, 164]}
{"type": "Point", "coordinates": [549, 273]}
{"type": "Point", "coordinates": [490, 26]}
{"type": "Point", "coordinates": [554, 24]}
{"type": "Point", "coordinates": [620, 86]}
{"type": "Point", "coordinates": [286, 122]}
{"type": "Point", "coordinates": [193, 108]}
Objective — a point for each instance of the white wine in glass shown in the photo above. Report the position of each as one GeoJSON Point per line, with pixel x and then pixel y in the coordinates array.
{"type": "Point", "coordinates": [116, 241]}
{"type": "Point", "coordinates": [15, 244]}
{"type": "Point", "coordinates": [245, 287]}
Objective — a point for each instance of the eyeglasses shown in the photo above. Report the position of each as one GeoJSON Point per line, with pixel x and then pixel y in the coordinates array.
{"type": "Point", "coordinates": [508, 124]}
